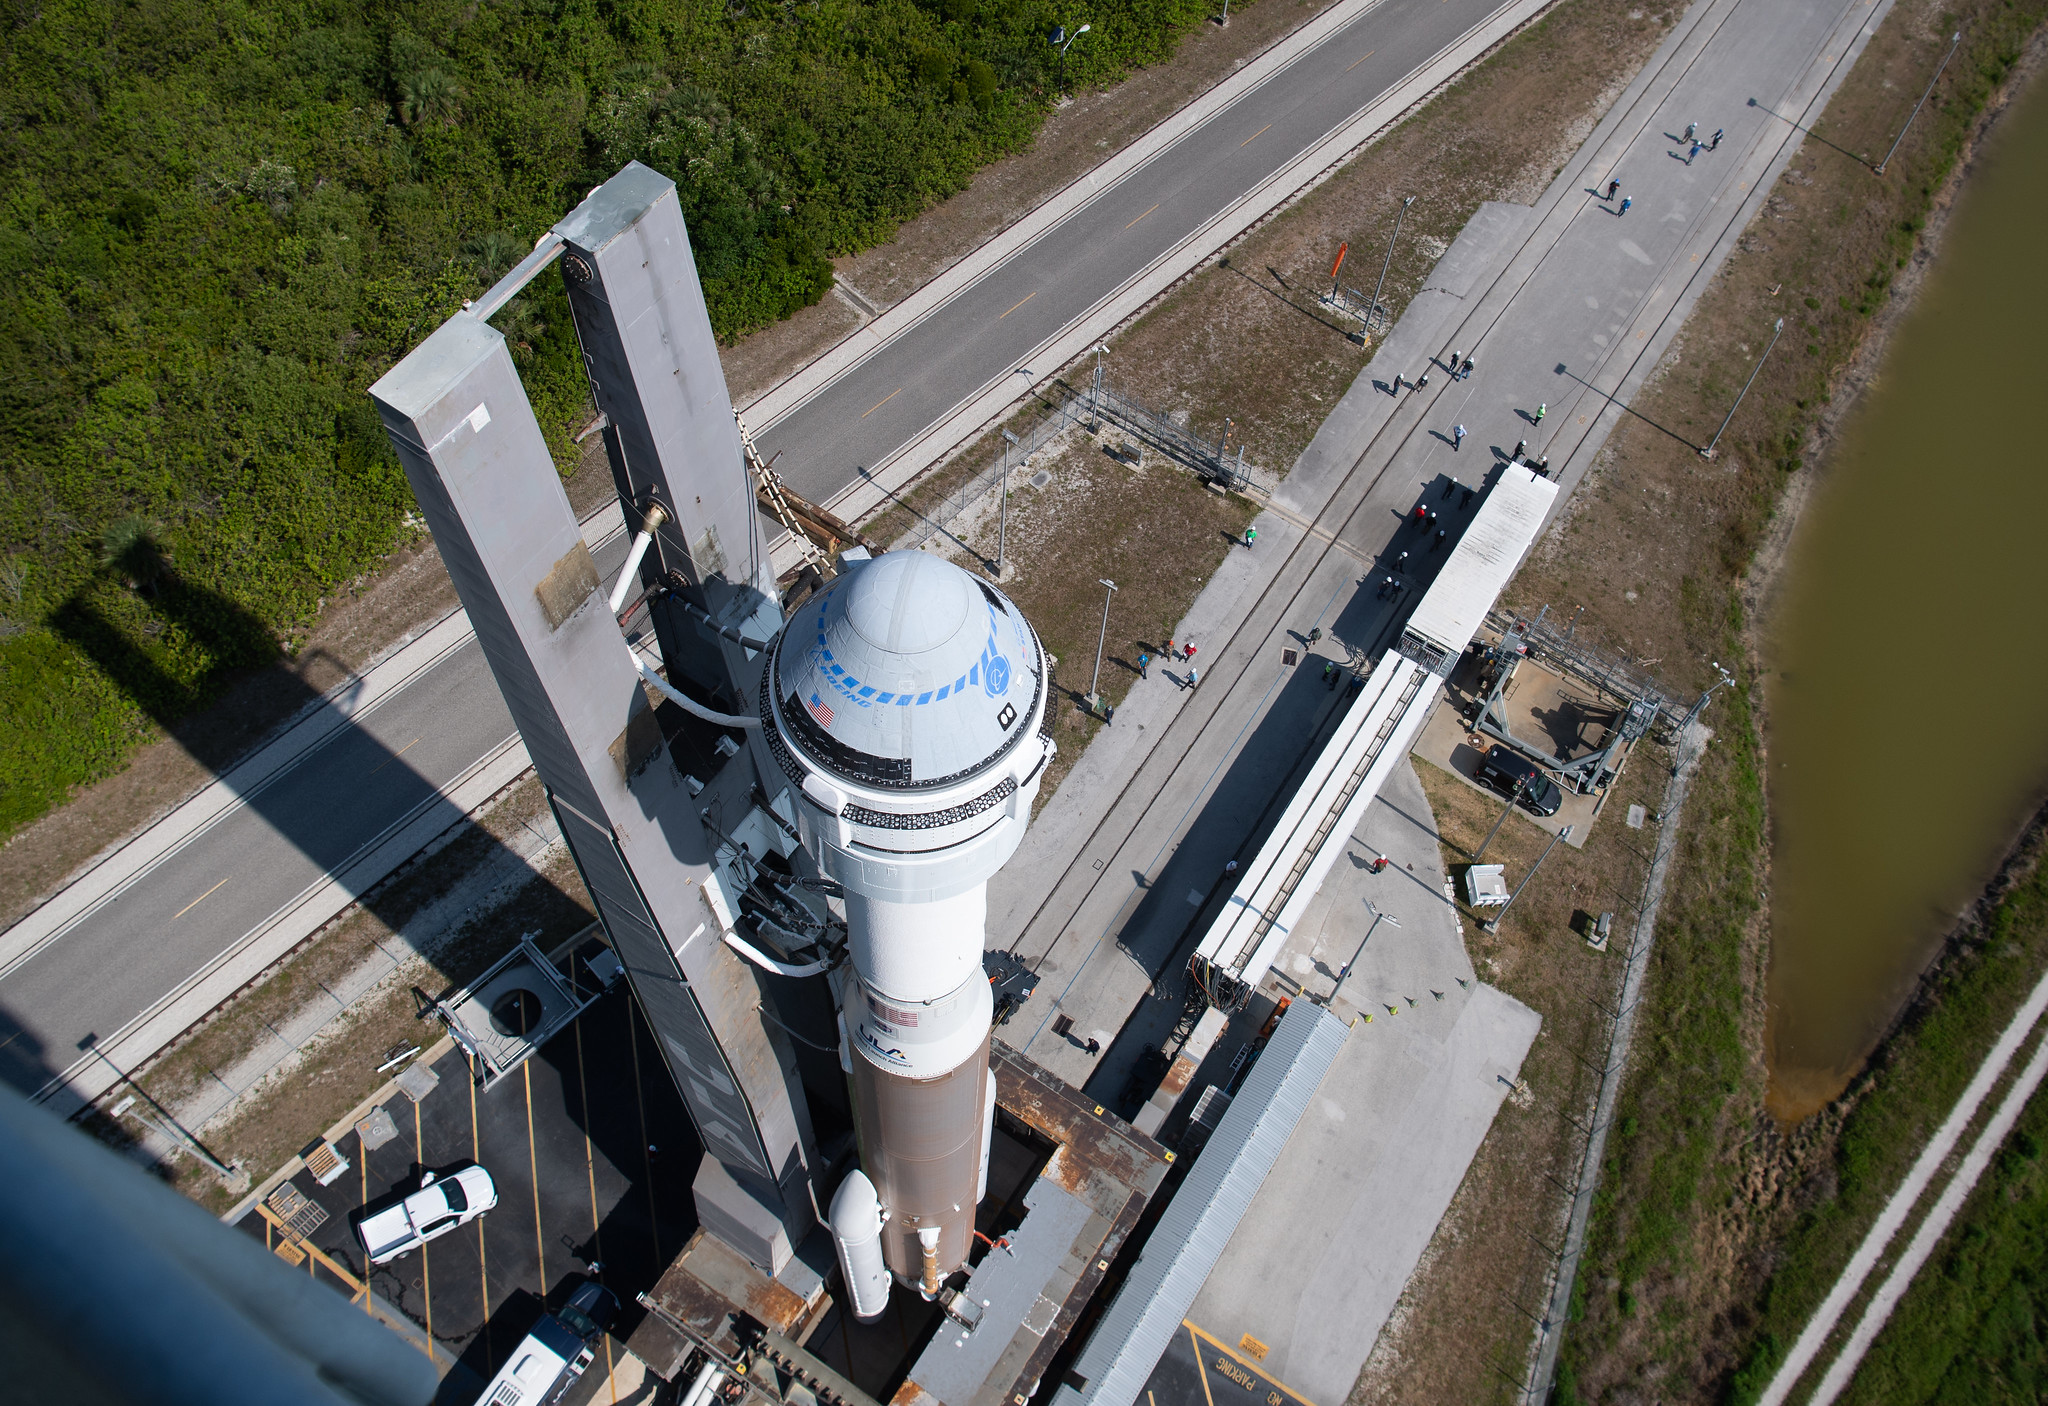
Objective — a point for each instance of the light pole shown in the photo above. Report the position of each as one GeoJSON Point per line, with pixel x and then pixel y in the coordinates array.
{"type": "Point", "coordinates": [1777, 331]}
{"type": "Point", "coordinates": [1700, 705]}
{"type": "Point", "coordinates": [1377, 918]}
{"type": "Point", "coordinates": [1493, 924]}
{"type": "Point", "coordinates": [165, 1125]}
{"type": "Point", "coordinates": [1954, 41]}
{"type": "Point", "coordinates": [1003, 523]}
{"type": "Point", "coordinates": [1095, 406]}
{"type": "Point", "coordinates": [1094, 696]}
{"type": "Point", "coordinates": [1520, 786]}
{"type": "Point", "coordinates": [1064, 41]}
{"type": "Point", "coordinates": [1386, 262]}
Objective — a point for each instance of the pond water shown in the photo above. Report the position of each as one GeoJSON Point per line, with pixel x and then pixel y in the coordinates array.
{"type": "Point", "coordinates": [1909, 694]}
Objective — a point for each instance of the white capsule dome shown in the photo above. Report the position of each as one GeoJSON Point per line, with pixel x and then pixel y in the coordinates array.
{"type": "Point", "coordinates": [907, 673]}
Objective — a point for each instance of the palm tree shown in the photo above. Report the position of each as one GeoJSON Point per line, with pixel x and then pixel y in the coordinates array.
{"type": "Point", "coordinates": [491, 254]}
{"type": "Point", "coordinates": [130, 547]}
{"type": "Point", "coordinates": [429, 95]}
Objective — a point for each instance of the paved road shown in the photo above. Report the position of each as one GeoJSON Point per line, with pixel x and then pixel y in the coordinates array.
{"type": "Point", "coordinates": [99, 971]}
{"type": "Point", "coordinates": [1099, 895]}
{"type": "Point", "coordinates": [285, 834]}
{"type": "Point", "coordinates": [877, 407]}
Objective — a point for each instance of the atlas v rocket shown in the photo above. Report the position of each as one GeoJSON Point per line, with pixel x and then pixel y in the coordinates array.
{"type": "Point", "coordinates": [893, 723]}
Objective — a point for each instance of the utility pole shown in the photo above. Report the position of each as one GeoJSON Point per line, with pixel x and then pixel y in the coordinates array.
{"type": "Point", "coordinates": [1520, 786]}
{"type": "Point", "coordinates": [1377, 918]}
{"type": "Point", "coordinates": [1003, 527]}
{"type": "Point", "coordinates": [1094, 684]}
{"type": "Point", "coordinates": [1493, 924]}
{"type": "Point", "coordinates": [1777, 331]}
{"type": "Point", "coordinates": [165, 1124]}
{"type": "Point", "coordinates": [1954, 41]}
{"type": "Point", "coordinates": [1386, 263]}
{"type": "Point", "coordinates": [1095, 402]}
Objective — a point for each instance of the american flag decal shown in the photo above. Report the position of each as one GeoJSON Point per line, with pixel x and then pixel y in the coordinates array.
{"type": "Point", "coordinates": [819, 711]}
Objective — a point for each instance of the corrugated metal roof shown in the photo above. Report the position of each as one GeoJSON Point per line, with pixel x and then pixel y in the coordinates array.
{"type": "Point", "coordinates": [1205, 1212]}
{"type": "Point", "coordinates": [1509, 517]}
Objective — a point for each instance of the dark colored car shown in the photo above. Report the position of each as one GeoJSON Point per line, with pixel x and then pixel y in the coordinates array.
{"type": "Point", "coordinates": [1503, 769]}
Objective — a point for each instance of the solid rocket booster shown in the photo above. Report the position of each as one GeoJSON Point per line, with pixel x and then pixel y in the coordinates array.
{"type": "Point", "coordinates": [907, 701]}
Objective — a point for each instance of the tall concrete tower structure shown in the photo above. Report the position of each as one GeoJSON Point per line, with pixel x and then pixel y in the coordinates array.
{"type": "Point", "coordinates": [907, 702]}
{"type": "Point", "coordinates": [486, 482]}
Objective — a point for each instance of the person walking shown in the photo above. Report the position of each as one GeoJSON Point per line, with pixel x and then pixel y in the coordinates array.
{"type": "Point", "coordinates": [1453, 367]}
{"type": "Point", "coordinates": [1401, 565]}
{"type": "Point", "coordinates": [1457, 437]}
{"type": "Point", "coordinates": [1194, 677]}
{"type": "Point", "coordinates": [1612, 187]}
{"type": "Point", "coordinates": [1692, 129]}
{"type": "Point", "coordinates": [1440, 537]}
{"type": "Point", "coordinates": [1715, 144]}
{"type": "Point", "coordinates": [1466, 501]}
{"type": "Point", "coordinates": [1542, 409]}
{"type": "Point", "coordinates": [1251, 535]}
{"type": "Point", "coordinates": [1419, 382]}
{"type": "Point", "coordinates": [1466, 373]}
{"type": "Point", "coordinates": [1626, 201]}
{"type": "Point", "coordinates": [1520, 445]}
{"type": "Point", "coordinates": [1187, 652]}
{"type": "Point", "coordinates": [1690, 155]}
{"type": "Point", "coordinates": [1171, 652]}
{"type": "Point", "coordinates": [1144, 663]}
{"type": "Point", "coordinates": [1094, 1046]}
{"type": "Point", "coordinates": [1328, 669]}
{"type": "Point", "coordinates": [1421, 516]}
{"type": "Point", "coordinates": [1543, 466]}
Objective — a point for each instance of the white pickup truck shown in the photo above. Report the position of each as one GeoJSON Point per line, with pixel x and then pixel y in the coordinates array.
{"type": "Point", "coordinates": [399, 1225]}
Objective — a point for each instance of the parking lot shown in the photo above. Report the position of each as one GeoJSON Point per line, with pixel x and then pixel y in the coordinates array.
{"type": "Point", "coordinates": [592, 1154]}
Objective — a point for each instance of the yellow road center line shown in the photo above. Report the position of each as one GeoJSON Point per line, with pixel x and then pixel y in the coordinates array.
{"type": "Point", "coordinates": [1018, 304]}
{"type": "Point", "coordinates": [1240, 146]}
{"type": "Point", "coordinates": [540, 1245]}
{"type": "Point", "coordinates": [1362, 58]}
{"type": "Point", "coordinates": [1155, 207]}
{"type": "Point", "coordinates": [195, 902]}
{"type": "Point", "coordinates": [426, 1269]}
{"type": "Point", "coordinates": [483, 1269]}
{"type": "Point", "coordinates": [394, 756]}
{"type": "Point", "coordinates": [363, 1166]}
{"type": "Point", "coordinates": [882, 402]}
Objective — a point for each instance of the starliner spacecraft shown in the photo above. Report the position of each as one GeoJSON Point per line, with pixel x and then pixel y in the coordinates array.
{"type": "Point", "coordinates": [798, 858]}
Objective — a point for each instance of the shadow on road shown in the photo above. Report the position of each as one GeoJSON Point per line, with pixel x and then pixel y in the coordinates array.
{"type": "Point", "coordinates": [331, 804]}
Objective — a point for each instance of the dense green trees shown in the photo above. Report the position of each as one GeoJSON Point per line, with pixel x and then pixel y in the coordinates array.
{"type": "Point", "coordinates": [222, 219]}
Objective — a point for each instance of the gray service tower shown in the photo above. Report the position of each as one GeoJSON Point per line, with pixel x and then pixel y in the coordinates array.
{"type": "Point", "coordinates": [894, 724]}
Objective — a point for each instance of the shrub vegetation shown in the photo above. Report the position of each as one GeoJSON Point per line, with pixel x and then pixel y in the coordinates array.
{"type": "Point", "coordinates": [222, 221]}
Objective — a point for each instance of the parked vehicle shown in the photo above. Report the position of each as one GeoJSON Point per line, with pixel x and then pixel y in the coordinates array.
{"type": "Point", "coordinates": [559, 1350]}
{"type": "Point", "coordinates": [398, 1225]}
{"type": "Point", "coordinates": [1503, 769]}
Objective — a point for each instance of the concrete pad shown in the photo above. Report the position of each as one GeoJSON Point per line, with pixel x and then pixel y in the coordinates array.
{"type": "Point", "coordinates": [1318, 1263]}
{"type": "Point", "coordinates": [1445, 744]}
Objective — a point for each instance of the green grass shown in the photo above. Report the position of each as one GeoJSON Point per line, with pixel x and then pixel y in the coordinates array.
{"type": "Point", "coordinates": [1898, 1103]}
{"type": "Point", "coordinates": [1970, 1332]}
{"type": "Point", "coordinates": [221, 221]}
